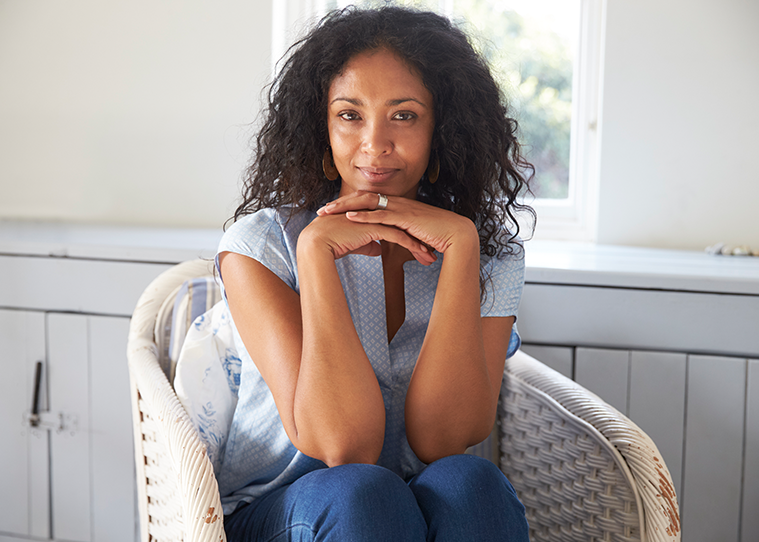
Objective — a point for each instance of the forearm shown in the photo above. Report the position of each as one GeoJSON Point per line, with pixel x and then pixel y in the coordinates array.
{"type": "Point", "coordinates": [338, 409]}
{"type": "Point", "coordinates": [450, 404]}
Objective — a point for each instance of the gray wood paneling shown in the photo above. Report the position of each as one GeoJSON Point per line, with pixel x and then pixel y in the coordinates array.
{"type": "Point", "coordinates": [750, 515]}
{"type": "Point", "coordinates": [657, 404]}
{"type": "Point", "coordinates": [713, 448]}
{"type": "Point", "coordinates": [639, 319]}
{"type": "Point", "coordinates": [605, 373]}
{"type": "Point", "coordinates": [558, 358]}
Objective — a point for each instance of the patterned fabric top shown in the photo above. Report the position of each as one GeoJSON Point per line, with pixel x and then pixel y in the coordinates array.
{"type": "Point", "coordinates": [258, 456]}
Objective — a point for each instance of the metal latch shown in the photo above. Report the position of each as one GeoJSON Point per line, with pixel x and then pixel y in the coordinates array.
{"type": "Point", "coordinates": [47, 420]}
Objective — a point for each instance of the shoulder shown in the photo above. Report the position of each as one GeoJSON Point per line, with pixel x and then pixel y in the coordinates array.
{"type": "Point", "coordinates": [252, 233]}
{"type": "Point", "coordinates": [269, 236]}
{"type": "Point", "coordinates": [505, 258]}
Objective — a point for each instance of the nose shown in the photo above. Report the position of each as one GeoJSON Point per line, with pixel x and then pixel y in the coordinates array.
{"type": "Point", "coordinates": [377, 139]}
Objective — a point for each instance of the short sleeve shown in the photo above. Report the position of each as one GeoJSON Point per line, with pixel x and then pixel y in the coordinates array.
{"type": "Point", "coordinates": [505, 282]}
{"type": "Point", "coordinates": [503, 290]}
{"type": "Point", "coordinates": [262, 237]}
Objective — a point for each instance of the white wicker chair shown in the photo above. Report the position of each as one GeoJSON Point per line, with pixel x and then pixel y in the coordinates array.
{"type": "Point", "coordinates": [178, 496]}
{"type": "Point", "coordinates": [583, 470]}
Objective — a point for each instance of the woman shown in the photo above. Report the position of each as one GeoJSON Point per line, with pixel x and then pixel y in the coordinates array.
{"type": "Point", "coordinates": [374, 288]}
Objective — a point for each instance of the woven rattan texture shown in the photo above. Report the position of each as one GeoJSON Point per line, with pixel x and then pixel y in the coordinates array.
{"type": "Point", "coordinates": [637, 453]}
{"type": "Point", "coordinates": [178, 493]}
{"type": "Point", "coordinates": [571, 486]}
{"type": "Point", "coordinates": [164, 502]}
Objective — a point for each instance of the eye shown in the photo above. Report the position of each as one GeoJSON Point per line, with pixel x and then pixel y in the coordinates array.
{"type": "Point", "coordinates": [404, 115]}
{"type": "Point", "coordinates": [349, 115]}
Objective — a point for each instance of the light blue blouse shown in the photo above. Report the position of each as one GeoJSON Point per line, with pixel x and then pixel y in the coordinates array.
{"type": "Point", "coordinates": [258, 456]}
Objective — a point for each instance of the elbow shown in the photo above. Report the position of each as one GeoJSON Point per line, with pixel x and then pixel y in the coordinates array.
{"type": "Point", "coordinates": [432, 450]}
{"type": "Point", "coordinates": [348, 457]}
{"type": "Point", "coordinates": [430, 446]}
{"type": "Point", "coordinates": [335, 448]}
{"type": "Point", "coordinates": [352, 451]}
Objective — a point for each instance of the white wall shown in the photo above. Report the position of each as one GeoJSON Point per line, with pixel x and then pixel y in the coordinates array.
{"type": "Point", "coordinates": [128, 112]}
{"type": "Point", "coordinates": [135, 112]}
{"type": "Point", "coordinates": [680, 128]}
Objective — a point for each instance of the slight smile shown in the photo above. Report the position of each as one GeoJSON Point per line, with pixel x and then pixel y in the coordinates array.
{"type": "Point", "coordinates": [377, 174]}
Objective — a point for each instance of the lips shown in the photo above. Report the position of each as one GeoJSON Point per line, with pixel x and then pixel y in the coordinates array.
{"type": "Point", "coordinates": [377, 174]}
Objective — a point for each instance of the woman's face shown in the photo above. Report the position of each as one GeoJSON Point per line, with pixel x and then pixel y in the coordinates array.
{"type": "Point", "coordinates": [380, 119]}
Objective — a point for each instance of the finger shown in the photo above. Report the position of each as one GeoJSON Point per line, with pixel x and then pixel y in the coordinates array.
{"type": "Point", "coordinates": [367, 235]}
{"type": "Point", "coordinates": [358, 201]}
{"type": "Point", "coordinates": [424, 258]}
{"type": "Point", "coordinates": [431, 233]}
{"type": "Point", "coordinates": [395, 217]}
{"type": "Point", "coordinates": [418, 250]}
{"type": "Point", "coordinates": [400, 237]}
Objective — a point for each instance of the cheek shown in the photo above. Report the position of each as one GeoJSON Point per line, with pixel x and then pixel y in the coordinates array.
{"type": "Point", "coordinates": [423, 149]}
{"type": "Point", "coordinates": [342, 143]}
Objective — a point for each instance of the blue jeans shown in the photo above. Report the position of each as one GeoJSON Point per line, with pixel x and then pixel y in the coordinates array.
{"type": "Point", "coordinates": [456, 499]}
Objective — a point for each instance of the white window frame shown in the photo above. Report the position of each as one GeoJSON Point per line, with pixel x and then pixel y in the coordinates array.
{"type": "Point", "coordinates": [573, 218]}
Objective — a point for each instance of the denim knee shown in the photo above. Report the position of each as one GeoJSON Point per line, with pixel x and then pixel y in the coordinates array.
{"type": "Point", "coordinates": [357, 484]}
{"type": "Point", "coordinates": [363, 502]}
{"type": "Point", "coordinates": [465, 497]}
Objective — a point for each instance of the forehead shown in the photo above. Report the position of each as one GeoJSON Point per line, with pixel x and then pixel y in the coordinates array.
{"type": "Point", "coordinates": [378, 72]}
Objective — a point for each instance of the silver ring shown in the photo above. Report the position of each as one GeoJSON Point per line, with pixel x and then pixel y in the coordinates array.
{"type": "Point", "coordinates": [382, 204]}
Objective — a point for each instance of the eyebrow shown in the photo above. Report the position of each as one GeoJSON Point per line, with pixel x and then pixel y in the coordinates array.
{"type": "Point", "coordinates": [397, 101]}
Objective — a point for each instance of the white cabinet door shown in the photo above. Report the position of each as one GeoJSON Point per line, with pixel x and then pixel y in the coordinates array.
{"type": "Point", "coordinates": [114, 516]}
{"type": "Point", "coordinates": [23, 453]}
{"type": "Point", "coordinates": [711, 497]}
{"type": "Point", "coordinates": [92, 464]}
{"type": "Point", "coordinates": [70, 449]}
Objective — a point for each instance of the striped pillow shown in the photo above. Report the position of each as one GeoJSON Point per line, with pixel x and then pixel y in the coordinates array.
{"type": "Point", "coordinates": [178, 312]}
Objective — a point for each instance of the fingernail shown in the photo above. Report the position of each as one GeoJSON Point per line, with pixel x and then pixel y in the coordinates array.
{"type": "Point", "coordinates": [424, 248]}
{"type": "Point", "coordinates": [351, 213]}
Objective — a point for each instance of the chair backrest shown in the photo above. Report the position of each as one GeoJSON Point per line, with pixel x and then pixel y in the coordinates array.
{"type": "Point", "coordinates": [178, 495]}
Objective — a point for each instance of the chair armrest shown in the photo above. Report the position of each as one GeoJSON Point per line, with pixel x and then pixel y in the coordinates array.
{"type": "Point", "coordinates": [583, 468]}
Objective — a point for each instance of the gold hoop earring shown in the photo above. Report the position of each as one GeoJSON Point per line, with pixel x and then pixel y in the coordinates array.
{"type": "Point", "coordinates": [328, 166]}
{"type": "Point", "coordinates": [433, 170]}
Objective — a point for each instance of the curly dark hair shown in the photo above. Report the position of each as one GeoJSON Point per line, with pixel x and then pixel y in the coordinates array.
{"type": "Point", "coordinates": [482, 171]}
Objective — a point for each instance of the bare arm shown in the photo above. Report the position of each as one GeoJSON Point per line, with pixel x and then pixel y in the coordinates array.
{"type": "Point", "coordinates": [306, 346]}
{"type": "Point", "coordinates": [453, 395]}
{"type": "Point", "coordinates": [452, 398]}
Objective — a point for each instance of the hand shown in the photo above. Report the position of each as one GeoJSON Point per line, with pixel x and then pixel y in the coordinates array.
{"type": "Point", "coordinates": [343, 236]}
{"type": "Point", "coordinates": [435, 227]}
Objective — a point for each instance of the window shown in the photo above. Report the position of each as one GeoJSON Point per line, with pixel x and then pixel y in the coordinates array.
{"type": "Point", "coordinates": [546, 56]}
